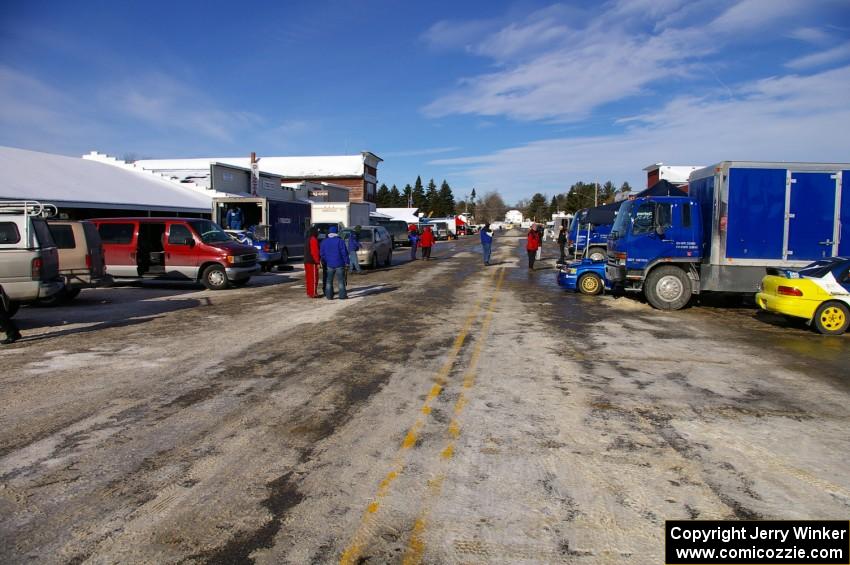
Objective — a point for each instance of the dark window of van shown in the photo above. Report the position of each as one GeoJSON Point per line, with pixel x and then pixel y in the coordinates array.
{"type": "Point", "coordinates": [116, 233]}
{"type": "Point", "coordinates": [63, 236]}
{"type": "Point", "coordinates": [9, 233]}
{"type": "Point", "coordinates": [178, 234]}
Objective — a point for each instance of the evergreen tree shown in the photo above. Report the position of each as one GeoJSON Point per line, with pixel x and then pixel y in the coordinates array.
{"type": "Point", "coordinates": [432, 199]}
{"type": "Point", "coordinates": [470, 208]}
{"type": "Point", "coordinates": [538, 210]}
{"type": "Point", "coordinates": [419, 195]}
{"type": "Point", "coordinates": [606, 193]}
{"type": "Point", "coordinates": [446, 200]}
{"type": "Point", "coordinates": [395, 198]}
{"type": "Point", "coordinates": [407, 196]}
{"type": "Point", "coordinates": [625, 187]}
{"type": "Point", "coordinates": [382, 198]}
{"type": "Point", "coordinates": [553, 206]}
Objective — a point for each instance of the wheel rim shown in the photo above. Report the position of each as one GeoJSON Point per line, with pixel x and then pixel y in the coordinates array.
{"type": "Point", "coordinates": [669, 288]}
{"type": "Point", "coordinates": [833, 318]}
{"type": "Point", "coordinates": [216, 278]}
{"type": "Point", "coordinates": [589, 284]}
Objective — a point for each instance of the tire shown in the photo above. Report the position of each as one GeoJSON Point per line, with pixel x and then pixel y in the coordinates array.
{"type": "Point", "coordinates": [13, 308]}
{"type": "Point", "coordinates": [373, 262]}
{"type": "Point", "coordinates": [284, 257]}
{"type": "Point", "coordinates": [596, 253]}
{"type": "Point", "coordinates": [832, 318]}
{"type": "Point", "coordinates": [590, 284]}
{"type": "Point", "coordinates": [389, 261]}
{"type": "Point", "coordinates": [215, 278]}
{"type": "Point", "coordinates": [667, 288]}
{"type": "Point", "coordinates": [72, 294]}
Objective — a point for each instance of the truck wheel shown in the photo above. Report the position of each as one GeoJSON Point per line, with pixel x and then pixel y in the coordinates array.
{"type": "Point", "coordinates": [214, 278]}
{"type": "Point", "coordinates": [596, 254]}
{"type": "Point", "coordinates": [832, 318]}
{"type": "Point", "coordinates": [668, 288]}
{"type": "Point", "coordinates": [590, 284]}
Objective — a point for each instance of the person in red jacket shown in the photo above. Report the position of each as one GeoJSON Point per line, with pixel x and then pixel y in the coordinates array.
{"type": "Point", "coordinates": [426, 241]}
{"type": "Point", "coordinates": [533, 245]}
{"type": "Point", "coordinates": [311, 263]}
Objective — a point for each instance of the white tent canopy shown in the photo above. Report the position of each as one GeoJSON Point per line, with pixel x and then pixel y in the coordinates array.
{"type": "Point", "coordinates": [78, 183]}
{"type": "Point", "coordinates": [406, 214]}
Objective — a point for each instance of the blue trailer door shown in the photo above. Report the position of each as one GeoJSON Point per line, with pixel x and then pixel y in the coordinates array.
{"type": "Point", "coordinates": [811, 223]}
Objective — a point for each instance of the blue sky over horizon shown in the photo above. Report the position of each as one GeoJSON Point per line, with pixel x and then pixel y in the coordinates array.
{"type": "Point", "coordinates": [518, 97]}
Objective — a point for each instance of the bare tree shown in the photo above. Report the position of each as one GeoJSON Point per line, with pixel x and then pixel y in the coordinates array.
{"type": "Point", "coordinates": [490, 208]}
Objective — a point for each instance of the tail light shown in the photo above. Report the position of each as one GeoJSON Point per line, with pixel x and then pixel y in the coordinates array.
{"type": "Point", "coordinates": [266, 247]}
{"type": "Point", "coordinates": [88, 260]}
{"type": "Point", "coordinates": [37, 264]}
{"type": "Point", "coordinates": [789, 291]}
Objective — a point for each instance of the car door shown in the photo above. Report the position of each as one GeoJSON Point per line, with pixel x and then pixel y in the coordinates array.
{"type": "Point", "coordinates": [811, 217]}
{"type": "Point", "coordinates": [181, 256]}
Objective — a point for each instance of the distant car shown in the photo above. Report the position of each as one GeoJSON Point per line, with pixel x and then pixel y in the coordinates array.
{"type": "Point", "coordinates": [397, 230]}
{"type": "Point", "coordinates": [81, 260]}
{"type": "Point", "coordinates": [818, 293]}
{"type": "Point", "coordinates": [376, 246]}
{"type": "Point", "coordinates": [585, 276]}
{"type": "Point", "coordinates": [268, 254]}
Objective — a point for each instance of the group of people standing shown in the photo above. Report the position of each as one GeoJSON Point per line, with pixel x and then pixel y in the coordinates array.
{"type": "Point", "coordinates": [424, 240]}
{"type": "Point", "coordinates": [336, 256]}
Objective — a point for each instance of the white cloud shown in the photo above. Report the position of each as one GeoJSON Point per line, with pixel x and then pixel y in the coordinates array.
{"type": "Point", "coordinates": [791, 118]}
{"type": "Point", "coordinates": [164, 102]}
{"type": "Point", "coordinates": [559, 65]}
{"type": "Point", "coordinates": [810, 35]}
{"type": "Point", "coordinates": [828, 57]}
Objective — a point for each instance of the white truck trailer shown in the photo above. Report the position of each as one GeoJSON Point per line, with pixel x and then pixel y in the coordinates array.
{"type": "Point", "coordinates": [343, 214]}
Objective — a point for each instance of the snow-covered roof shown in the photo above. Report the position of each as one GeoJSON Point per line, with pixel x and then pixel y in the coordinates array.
{"type": "Point", "coordinates": [290, 167]}
{"type": "Point", "coordinates": [677, 174]}
{"type": "Point", "coordinates": [75, 182]}
{"type": "Point", "coordinates": [406, 214]}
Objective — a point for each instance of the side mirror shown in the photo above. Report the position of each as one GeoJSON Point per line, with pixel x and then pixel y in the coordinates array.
{"type": "Point", "coordinates": [189, 241]}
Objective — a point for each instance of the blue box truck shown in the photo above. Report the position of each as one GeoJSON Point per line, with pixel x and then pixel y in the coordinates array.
{"type": "Point", "coordinates": [282, 222]}
{"type": "Point", "coordinates": [590, 228]}
{"type": "Point", "coordinates": [739, 218]}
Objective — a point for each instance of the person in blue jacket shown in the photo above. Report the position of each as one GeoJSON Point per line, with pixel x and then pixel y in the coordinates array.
{"type": "Point", "coordinates": [486, 243]}
{"type": "Point", "coordinates": [353, 244]}
{"type": "Point", "coordinates": [335, 255]}
{"type": "Point", "coordinates": [234, 219]}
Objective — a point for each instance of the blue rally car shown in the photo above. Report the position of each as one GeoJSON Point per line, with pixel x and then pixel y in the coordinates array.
{"type": "Point", "coordinates": [585, 276]}
{"type": "Point", "coordinates": [268, 254]}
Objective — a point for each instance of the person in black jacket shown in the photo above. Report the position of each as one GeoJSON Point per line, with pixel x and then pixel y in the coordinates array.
{"type": "Point", "coordinates": [7, 325]}
{"type": "Point", "coordinates": [562, 241]}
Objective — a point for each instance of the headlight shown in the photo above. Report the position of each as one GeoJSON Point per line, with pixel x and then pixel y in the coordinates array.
{"type": "Point", "coordinates": [572, 271]}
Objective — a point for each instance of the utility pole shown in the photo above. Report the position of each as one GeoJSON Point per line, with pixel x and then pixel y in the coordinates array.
{"type": "Point", "coordinates": [596, 193]}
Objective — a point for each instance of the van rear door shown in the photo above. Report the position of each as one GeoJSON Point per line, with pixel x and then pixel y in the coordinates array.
{"type": "Point", "coordinates": [812, 216]}
{"type": "Point", "coordinates": [94, 249]}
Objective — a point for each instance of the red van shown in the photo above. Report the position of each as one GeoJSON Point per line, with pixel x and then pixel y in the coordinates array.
{"type": "Point", "coordinates": [175, 248]}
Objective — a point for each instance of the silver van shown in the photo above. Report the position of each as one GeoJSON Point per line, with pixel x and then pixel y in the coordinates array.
{"type": "Point", "coordinates": [29, 260]}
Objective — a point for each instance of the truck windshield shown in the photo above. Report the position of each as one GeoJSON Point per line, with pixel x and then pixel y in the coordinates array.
{"type": "Point", "coordinates": [620, 223]}
{"type": "Point", "coordinates": [210, 232]}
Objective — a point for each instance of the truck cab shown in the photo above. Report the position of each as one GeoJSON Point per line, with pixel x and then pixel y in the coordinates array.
{"type": "Point", "coordinates": [655, 246]}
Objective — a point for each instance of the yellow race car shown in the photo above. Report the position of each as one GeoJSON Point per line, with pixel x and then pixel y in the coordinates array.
{"type": "Point", "coordinates": [818, 293]}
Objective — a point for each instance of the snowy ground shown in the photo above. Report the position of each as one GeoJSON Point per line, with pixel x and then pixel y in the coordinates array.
{"type": "Point", "coordinates": [447, 413]}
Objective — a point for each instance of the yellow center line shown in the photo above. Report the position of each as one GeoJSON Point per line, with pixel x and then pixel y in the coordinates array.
{"type": "Point", "coordinates": [355, 546]}
{"type": "Point", "coordinates": [416, 544]}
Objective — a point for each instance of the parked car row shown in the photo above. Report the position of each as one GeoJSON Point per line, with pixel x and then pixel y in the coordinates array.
{"type": "Point", "coordinates": [51, 261]}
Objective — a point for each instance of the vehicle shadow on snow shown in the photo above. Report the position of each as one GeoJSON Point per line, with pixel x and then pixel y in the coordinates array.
{"type": "Point", "coordinates": [104, 308]}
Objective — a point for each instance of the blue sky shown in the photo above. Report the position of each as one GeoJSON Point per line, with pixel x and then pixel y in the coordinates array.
{"type": "Point", "coordinates": [517, 97]}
